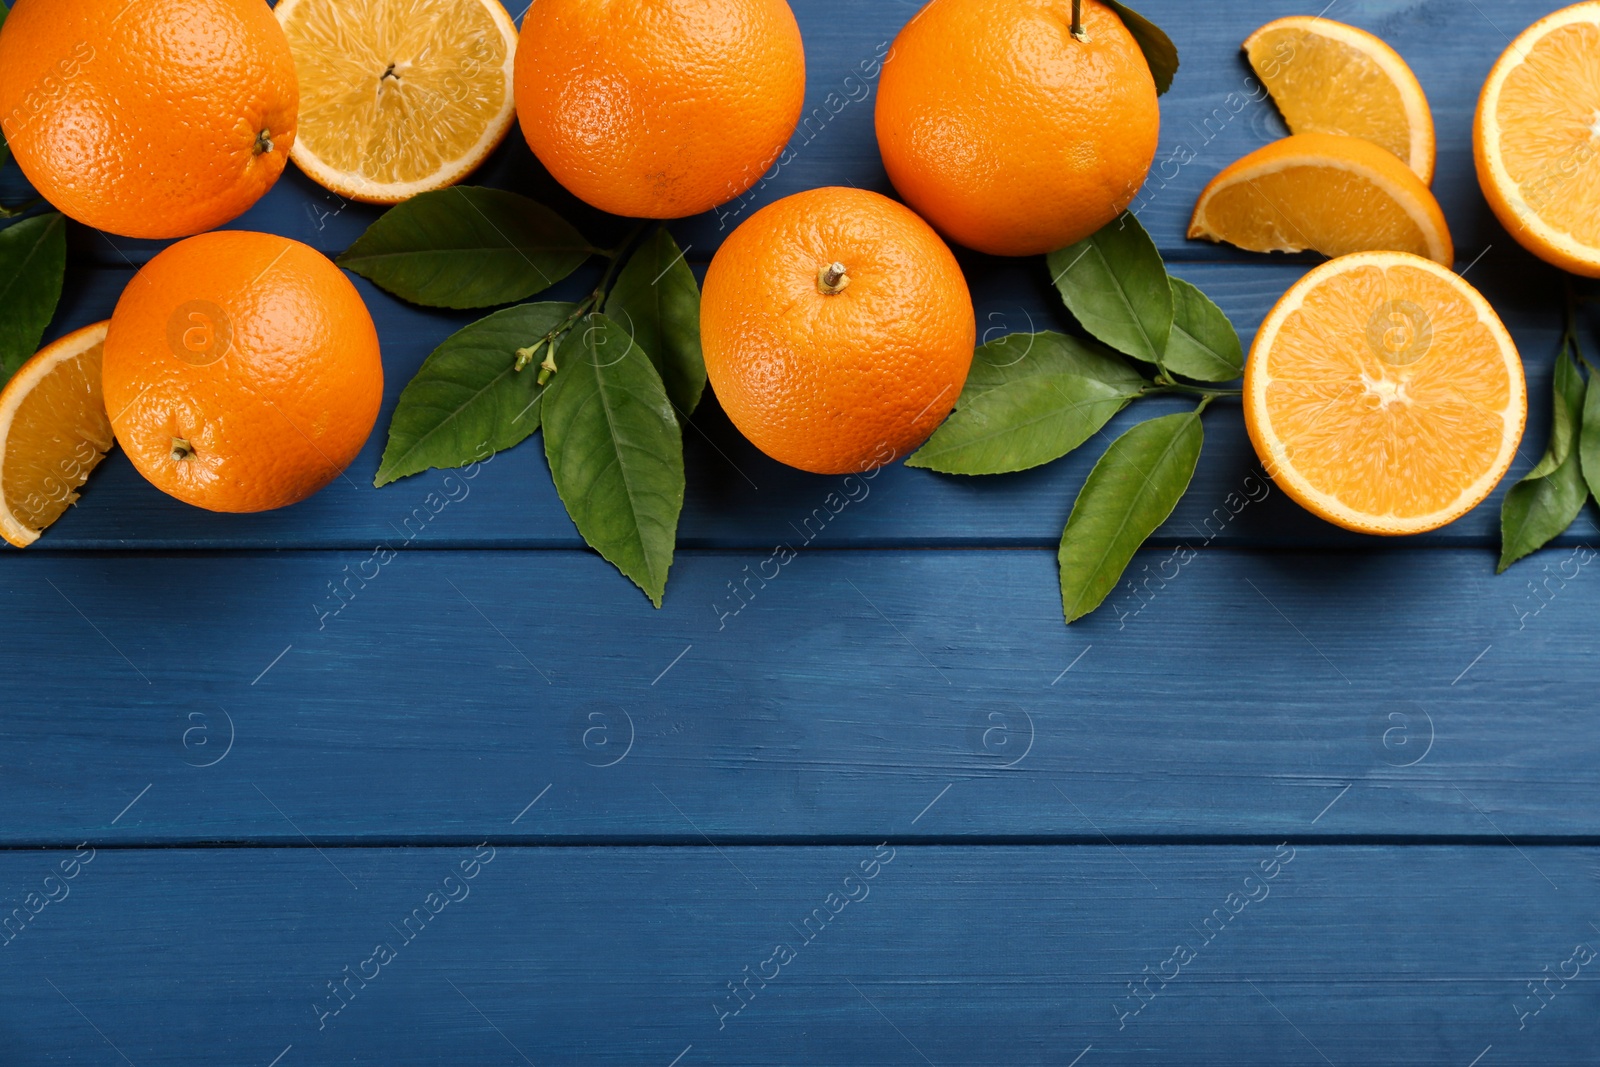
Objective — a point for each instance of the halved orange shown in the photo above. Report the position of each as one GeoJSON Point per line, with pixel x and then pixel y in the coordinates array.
{"type": "Point", "coordinates": [1384, 395]}
{"type": "Point", "coordinates": [53, 432]}
{"type": "Point", "coordinates": [399, 97]}
{"type": "Point", "coordinates": [1326, 192]}
{"type": "Point", "coordinates": [1327, 77]}
{"type": "Point", "coordinates": [1536, 139]}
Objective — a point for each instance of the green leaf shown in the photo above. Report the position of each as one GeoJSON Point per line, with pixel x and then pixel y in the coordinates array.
{"type": "Point", "coordinates": [1158, 49]}
{"type": "Point", "coordinates": [616, 451]}
{"type": "Point", "coordinates": [1549, 497]}
{"type": "Point", "coordinates": [1130, 492]}
{"type": "Point", "coordinates": [33, 263]}
{"type": "Point", "coordinates": [1568, 402]}
{"type": "Point", "coordinates": [467, 400]}
{"type": "Point", "coordinates": [1589, 440]}
{"type": "Point", "coordinates": [658, 300]}
{"type": "Point", "coordinates": [1203, 345]}
{"type": "Point", "coordinates": [1022, 355]}
{"type": "Point", "coordinates": [1116, 285]}
{"type": "Point", "coordinates": [1022, 424]}
{"type": "Point", "coordinates": [466, 247]}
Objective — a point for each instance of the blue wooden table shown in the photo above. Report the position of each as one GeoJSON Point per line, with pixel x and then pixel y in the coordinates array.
{"type": "Point", "coordinates": [1319, 799]}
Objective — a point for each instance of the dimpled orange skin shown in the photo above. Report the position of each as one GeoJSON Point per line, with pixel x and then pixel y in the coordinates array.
{"type": "Point", "coordinates": [839, 383]}
{"type": "Point", "coordinates": [1008, 135]}
{"type": "Point", "coordinates": [274, 412]}
{"type": "Point", "coordinates": [659, 108]}
{"type": "Point", "coordinates": [143, 118]}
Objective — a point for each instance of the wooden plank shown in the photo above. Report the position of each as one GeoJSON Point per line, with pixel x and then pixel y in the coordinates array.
{"type": "Point", "coordinates": [739, 498]}
{"type": "Point", "coordinates": [1292, 954]}
{"type": "Point", "coordinates": [1374, 694]}
{"type": "Point", "coordinates": [1214, 114]}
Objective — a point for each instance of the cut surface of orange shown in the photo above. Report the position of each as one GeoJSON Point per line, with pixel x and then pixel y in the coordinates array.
{"type": "Point", "coordinates": [1384, 395]}
{"type": "Point", "coordinates": [1326, 192]}
{"type": "Point", "coordinates": [1536, 139]}
{"type": "Point", "coordinates": [53, 432]}
{"type": "Point", "coordinates": [399, 97]}
{"type": "Point", "coordinates": [1327, 77]}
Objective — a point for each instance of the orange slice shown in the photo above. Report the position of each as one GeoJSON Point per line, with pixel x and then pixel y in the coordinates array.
{"type": "Point", "coordinates": [1536, 139]}
{"type": "Point", "coordinates": [1322, 191]}
{"type": "Point", "coordinates": [1384, 395]}
{"type": "Point", "coordinates": [1327, 77]}
{"type": "Point", "coordinates": [399, 97]}
{"type": "Point", "coordinates": [53, 432]}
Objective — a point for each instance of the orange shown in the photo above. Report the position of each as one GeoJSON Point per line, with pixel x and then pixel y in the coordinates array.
{"type": "Point", "coordinates": [241, 371]}
{"type": "Point", "coordinates": [53, 432]}
{"type": "Point", "coordinates": [1009, 135]}
{"type": "Point", "coordinates": [1327, 77]}
{"type": "Point", "coordinates": [837, 329]}
{"type": "Point", "coordinates": [659, 108]}
{"type": "Point", "coordinates": [399, 97]}
{"type": "Point", "coordinates": [1383, 394]}
{"type": "Point", "coordinates": [1322, 191]}
{"type": "Point", "coordinates": [155, 118]}
{"type": "Point", "coordinates": [1536, 139]}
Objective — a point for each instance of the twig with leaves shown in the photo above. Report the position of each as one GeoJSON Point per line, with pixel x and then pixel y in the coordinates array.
{"type": "Point", "coordinates": [1032, 398]}
{"type": "Point", "coordinates": [616, 372]}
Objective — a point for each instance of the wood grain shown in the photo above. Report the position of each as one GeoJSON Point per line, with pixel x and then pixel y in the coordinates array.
{"type": "Point", "coordinates": [944, 956]}
{"type": "Point", "coordinates": [1231, 693]}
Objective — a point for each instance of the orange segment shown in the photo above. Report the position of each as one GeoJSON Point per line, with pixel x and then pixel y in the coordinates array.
{"type": "Point", "coordinates": [1333, 194]}
{"type": "Point", "coordinates": [1536, 139]}
{"type": "Point", "coordinates": [1327, 77]}
{"type": "Point", "coordinates": [53, 432]}
{"type": "Point", "coordinates": [1384, 395]}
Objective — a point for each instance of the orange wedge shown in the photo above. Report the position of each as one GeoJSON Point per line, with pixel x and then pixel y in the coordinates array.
{"type": "Point", "coordinates": [1326, 192]}
{"type": "Point", "coordinates": [1536, 139]}
{"type": "Point", "coordinates": [1327, 77]}
{"type": "Point", "coordinates": [53, 432]}
{"type": "Point", "coordinates": [1383, 394]}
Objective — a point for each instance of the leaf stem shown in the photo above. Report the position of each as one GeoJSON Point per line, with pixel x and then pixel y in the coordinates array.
{"type": "Point", "coordinates": [1169, 386]}
{"type": "Point", "coordinates": [1078, 32]}
{"type": "Point", "coordinates": [588, 305]}
{"type": "Point", "coordinates": [20, 209]}
{"type": "Point", "coordinates": [1569, 339]}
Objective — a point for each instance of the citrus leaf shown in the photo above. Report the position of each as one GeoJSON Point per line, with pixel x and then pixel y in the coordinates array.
{"type": "Point", "coordinates": [1158, 49]}
{"type": "Point", "coordinates": [1021, 355]}
{"type": "Point", "coordinates": [615, 451]}
{"type": "Point", "coordinates": [1589, 440]}
{"type": "Point", "coordinates": [658, 300]}
{"type": "Point", "coordinates": [33, 263]}
{"type": "Point", "coordinates": [1535, 510]}
{"type": "Point", "coordinates": [467, 247]}
{"type": "Point", "coordinates": [467, 401]}
{"type": "Point", "coordinates": [1114, 282]}
{"type": "Point", "coordinates": [1022, 424]}
{"type": "Point", "coordinates": [1130, 492]}
{"type": "Point", "coordinates": [1203, 344]}
{"type": "Point", "coordinates": [1549, 497]}
{"type": "Point", "coordinates": [1568, 401]}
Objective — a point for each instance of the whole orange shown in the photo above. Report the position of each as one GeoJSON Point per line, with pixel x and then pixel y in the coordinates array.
{"type": "Point", "coordinates": [837, 329]}
{"type": "Point", "coordinates": [241, 371]}
{"type": "Point", "coordinates": [158, 118]}
{"type": "Point", "coordinates": [659, 108]}
{"type": "Point", "coordinates": [1006, 132]}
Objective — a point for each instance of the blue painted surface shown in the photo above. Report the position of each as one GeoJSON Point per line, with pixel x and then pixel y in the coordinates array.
{"type": "Point", "coordinates": [267, 781]}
